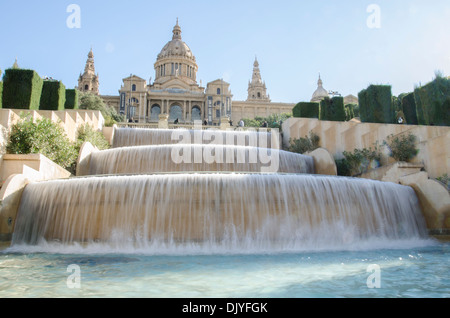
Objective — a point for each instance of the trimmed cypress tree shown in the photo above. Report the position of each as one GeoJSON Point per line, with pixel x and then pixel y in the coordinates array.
{"type": "Point", "coordinates": [332, 109]}
{"type": "Point", "coordinates": [432, 102]}
{"type": "Point", "coordinates": [351, 111]}
{"type": "Point", "coordinates": [1, 94]}
{"type": "Point", "coordinates": [375, 105]}
{"type": "Point", "coordinates": [408, 104]}
{"type": "Point", "coordinates": [22, 89]}
{"type": "Point", "coordinates": [53, 96]}
{"type": "Point", "coordinates": [71, 99]}
{"type": "Point", "coordinates": [306, 110]}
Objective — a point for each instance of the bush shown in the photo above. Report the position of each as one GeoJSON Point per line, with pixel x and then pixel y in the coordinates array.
{"type": "Point", "coordinates": [408, 105]}
{"type": "Point", "coordinates": [375, 105]}
{"type": "Point", "coordinates": [402, 148]}
{"type": "Point", "coordinates": [306, 110]}
{"type": "Point", "coordinates": [433, 102]}
{"type": "Point", "coordinates": [44, 137]}
{"type": "Point", "coordinates": [86, 133]}
{"type": "Point", "coordinates": [350, 111]}
{"type": "Point", "coordinates": [332, 109]}
{"type": "Point", "coordinates": [359, 161]}
{"type": "Point", "coordinates": [22, 89]}
{"type": "Point", "coordinates": [53, 96]}
{"type": "Point", "coordinates": [93, 102]}
{"type": "Point", "coordinates": [306, 144]}
{"type": "Point", "coordinates": [71, 99]}
{"type": "Point", "coordinates": [1, 94]}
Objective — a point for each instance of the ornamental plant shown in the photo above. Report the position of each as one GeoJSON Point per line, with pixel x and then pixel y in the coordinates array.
{"type": "Point", "coordinates": [403, 147]}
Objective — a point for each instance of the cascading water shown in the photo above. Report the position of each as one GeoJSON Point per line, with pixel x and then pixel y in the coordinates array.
{"type": "Point", "coordinates": [165, 209]}
{"type": "Point", "coordinates": [190, 158]}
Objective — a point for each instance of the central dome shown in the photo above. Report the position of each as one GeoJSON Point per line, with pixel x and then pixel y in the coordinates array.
{"type": "Point", "coordinates": [176, 47]}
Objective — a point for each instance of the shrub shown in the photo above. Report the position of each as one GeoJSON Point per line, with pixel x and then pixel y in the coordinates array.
{"type": "Point", "coordinates": [71, 99]}
{"type": "Point", "coordinates": [433, 102]}
{"type": "Point", "coordinates": [351, 111]}
{"type": "Point", "coordinates": [403, 147]}
{"type": "Point", "coordinates": [332, 109]}
{"type": "Point", "coordinates": [375, 105]}
{"type": "Point", "coordinates": [22, 89]}
{"type": "Point", "coordinates": [408, 105]}
{"type": "Point", "coordinates": [1, 94]}
{"type": "Point", "coordinates": [94, 102]}
{"type": "Point", "coordinates": [359, 161]}
{"type": "Point", "coordinates": [44, 137]}
{"type": "Point", "coordinates": [306, 144]}
{"type": "Point", "coordinates": [306, 110]}
{"type": "Point", "coordinates": [86, 133]}
{"type": "Point", "coordinates": [53, 96]}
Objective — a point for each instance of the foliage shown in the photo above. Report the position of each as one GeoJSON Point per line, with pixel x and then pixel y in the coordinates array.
{"type": "Point", "coordinates": [375, 105]}
{"type": "Point", "coordinates": [306, 110]}
{"type": "Point", "coordinates": [408, 105]}
{"type": "Point", "coordinates": [359, 161]}
{"type": "Point", "coordinates": [351, 111]}
{"type": "Point", "coordinates": [403, 147]}
{"type": "Point", "coordinates": [445, 180]}
{"type": "Point", "coordinates": [332, 109]}
{"type": "Point", "coordinates": [433, 102]}
{"type": "Point", "coordinates": [53, 96]}
{"type": "Point", "coordinates": [1, 94]}
{"type": "Point", "coordinates": [22, 89]}
{"type": "Point", "coordinates": [72, 99]}
{"type": "Point", "coordinates": [306, 144]}
{"type": "Point", "coordinates": [93, 102]}
{"type": "Point", "coordinates": [86, 133]}
{"type": "Point", "coordinates": [273, 121]}
{"type": "Point", "coordinates": [44, 137]}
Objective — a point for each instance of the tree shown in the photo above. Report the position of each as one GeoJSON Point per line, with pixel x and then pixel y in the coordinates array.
{"type": "Point", "coordinates": [93, 102]}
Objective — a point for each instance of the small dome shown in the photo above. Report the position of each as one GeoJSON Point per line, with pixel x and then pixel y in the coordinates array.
{"type": "Point", "coordinates": [176, 47]}
{"type": "Point", "coordinates": [320, 92]}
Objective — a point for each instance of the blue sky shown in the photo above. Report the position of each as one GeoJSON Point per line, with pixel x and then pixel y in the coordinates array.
{"type": "Point", "coordinates": [293, 40]}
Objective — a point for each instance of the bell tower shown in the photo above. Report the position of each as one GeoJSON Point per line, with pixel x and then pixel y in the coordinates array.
{"type": "Point", "coordinates": [88, 81]}
{"type": "Point", "coordinates": [257, 90]}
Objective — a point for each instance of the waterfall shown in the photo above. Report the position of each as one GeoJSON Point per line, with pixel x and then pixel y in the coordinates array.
{"type": "Point", "coordinates": [190, 158]}
{"type": "Point", "coordinates": [217, 212]}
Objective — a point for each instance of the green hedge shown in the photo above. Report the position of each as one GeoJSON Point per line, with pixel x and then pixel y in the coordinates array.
{"type": "Point", "coordinates": [53, 96]}
{"type": "Point", "coordinates": [22, 89]}
{"type": "Point", "coordinates": [332, 109]}
{"type": "Point", "coordinates": [375, 105]}
{"type": "Point", "coordinates": [408, 105]}
{"type": "Point", "coordinates": [1, 94]}
{"type": "Point", "coordinates": [71, 99]}
{"type": "Point", "coordinates": [432, 102]}
{"type": "Point", "coordinates": [306, 110]}
{"type": "Point", "coordinates": [351, 111]}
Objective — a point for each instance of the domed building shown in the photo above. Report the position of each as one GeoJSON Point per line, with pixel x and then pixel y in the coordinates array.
{"type": "Point", "coordinates": [176, 92]}
{"type": "Point", "coordinates": [320, 92]}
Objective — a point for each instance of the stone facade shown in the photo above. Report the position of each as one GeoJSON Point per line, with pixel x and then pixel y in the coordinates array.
{"type": "Point", "coordinates": [176, 92]}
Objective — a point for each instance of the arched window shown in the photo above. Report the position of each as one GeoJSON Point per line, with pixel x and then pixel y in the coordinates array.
{"type": "Point", "coordinates": [259, 95]}
{"type": "Point", "coordinates": [86, 87]}
{"type": "Point", "coordinates": [155, 112]}
{"type": "Point", "coordinates": [218, 91]}
{"type": "Point", "coordinates": [196, 113]}
{"type": "Point", "coordinates": [133, 87]}
{"type": "Point", "coordinates": [176, 112]}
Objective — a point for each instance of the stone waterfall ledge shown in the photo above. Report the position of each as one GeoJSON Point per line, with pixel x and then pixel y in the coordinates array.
{"type": "Point", "coordinates": [16, 172]}
{"type": "Point", "coordinates": [393, 172]}
{"type": "Point", "coordinates": [324, 163]}
{"type": "Point", "coordinates": [434, 200]}
{"type": "Point", "coordinates": [84, 158]}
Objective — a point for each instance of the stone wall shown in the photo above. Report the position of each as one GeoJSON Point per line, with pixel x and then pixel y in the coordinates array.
{"type": "Point", "coordinates": [336, 137]}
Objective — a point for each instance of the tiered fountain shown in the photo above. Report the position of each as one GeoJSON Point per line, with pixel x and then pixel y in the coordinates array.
{"type": "Point", "coordinates": [216, 194]}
